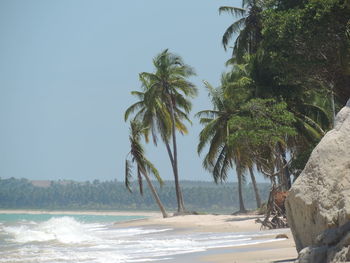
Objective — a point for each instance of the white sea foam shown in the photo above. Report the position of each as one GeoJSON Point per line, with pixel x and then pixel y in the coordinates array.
{"type": "Point", "coordinates": [65, 239]}
{"type": "Point", "coordinates": [62, 229]}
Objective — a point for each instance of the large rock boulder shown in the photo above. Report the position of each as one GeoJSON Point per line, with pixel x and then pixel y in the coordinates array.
{"type": "Point", "coordinates": [319, 200]}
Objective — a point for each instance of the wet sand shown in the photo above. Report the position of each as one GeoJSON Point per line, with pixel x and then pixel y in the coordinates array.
{"type": "Point", "coordinates": [281, 251]}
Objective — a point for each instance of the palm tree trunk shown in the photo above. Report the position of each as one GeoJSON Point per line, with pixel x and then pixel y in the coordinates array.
{"type": "Point", "coordinates": [178, 189]}
{"type": "Point", "coordinates": [156, 197]}
{"type": "Point", "coordinates": [240, 192]}
{"type": "Point", "coordinates": [256, 190]}
{"type": "Point", "coordinates": [287, 180]}
{"type": "Point", "coordinates": [180, 202]}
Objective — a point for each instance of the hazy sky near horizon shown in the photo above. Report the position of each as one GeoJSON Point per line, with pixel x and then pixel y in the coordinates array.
{"type": "Point", "coordinates": [66, 72]}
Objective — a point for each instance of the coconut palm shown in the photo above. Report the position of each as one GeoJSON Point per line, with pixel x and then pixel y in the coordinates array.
{"type": "Point", "coordinates": [247, 160]}
{"type": "Point", "coordinates": [220, 156]}
{"type": "Point", "coordinates": [143, 165]}
{"type": "Point", "coordinates": [164, 104]}
{"type": "Point", "coordinates": [248, 27]}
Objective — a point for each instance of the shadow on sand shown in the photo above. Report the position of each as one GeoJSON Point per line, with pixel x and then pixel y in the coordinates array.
{"type": "Point", "coordinates": [285, 260]}
{"type": "Point", "coordinates": [242, 219]}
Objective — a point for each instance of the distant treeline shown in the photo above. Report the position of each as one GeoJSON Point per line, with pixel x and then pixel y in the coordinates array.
{"type": "Point", "coordinates": [109, 195]}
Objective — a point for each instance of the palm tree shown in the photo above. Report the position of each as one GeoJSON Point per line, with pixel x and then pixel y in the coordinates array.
{"type": "Point", "coordinates": [164, 104]}
{"type": "Point", "coordinates": [247, 160]}
{"type": "Point", "coordinates": [248, 27]}
{"type": "Point", "coordinates": [221, 155]}
{"type": "Point", "coordinates": [143, 165]}
{"type": "Point", "coordinates": [255, 187]}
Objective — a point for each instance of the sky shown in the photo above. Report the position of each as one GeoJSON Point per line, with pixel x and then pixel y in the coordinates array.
{"type": "Point", "coordinates": [66, 72]}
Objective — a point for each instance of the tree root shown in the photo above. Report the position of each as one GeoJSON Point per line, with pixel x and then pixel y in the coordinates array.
{"type": "Point", "coordinates": [276, 213]}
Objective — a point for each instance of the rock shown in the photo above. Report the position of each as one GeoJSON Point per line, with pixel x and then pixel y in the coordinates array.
{"type": "Point", "coordinates": [341, 251]}
{"type": "Point", "coordinates": [320, 197]}
{"type": "Point", "coordinates": [332, 246]}
{"type": "Point", "coordinates": [312, 255]}
{"type": "Point", "coordinates": [333, 236]}
{"type": "Point", "coordinates": [281, 236]}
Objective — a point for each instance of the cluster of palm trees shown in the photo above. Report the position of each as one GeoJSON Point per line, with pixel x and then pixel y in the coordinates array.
{"type": "Point", "coordinates": [162, 108]}
{"type": "Point", "coordinates": [257, 123]}
{"type": "Point", "coordinates": [263, 119]}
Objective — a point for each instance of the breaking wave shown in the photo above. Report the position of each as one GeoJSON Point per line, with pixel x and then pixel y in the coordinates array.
{"type": "Point", "coordinates": [65, 239]}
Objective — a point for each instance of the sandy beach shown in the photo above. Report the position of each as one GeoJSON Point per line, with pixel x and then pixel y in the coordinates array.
{"type": "Point", "coordinates": [282, 250]}
{"type": "Point", "coordinates": [279, 251]}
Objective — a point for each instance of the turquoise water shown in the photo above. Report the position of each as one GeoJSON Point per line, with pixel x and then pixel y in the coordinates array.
{"type": "Point", "coordinates": [79, 217]}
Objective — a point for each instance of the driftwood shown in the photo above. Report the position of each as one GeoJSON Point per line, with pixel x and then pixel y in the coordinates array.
{"type": "Point", "coordinates": [276, 212]}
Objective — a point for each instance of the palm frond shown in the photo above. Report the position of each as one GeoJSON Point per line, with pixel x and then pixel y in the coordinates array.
{"type": "Point", "coordinates": [206, 135]}
{"type": "Point", "coordinates": [151, 168]}
{"type": "Point", "coordinates": [207, 114]}
{"type": "Point", "coordinates": [234, 28]}
{"type": "Point", "coordinates": [219, 173]}
{"type": "Point", "coordinates": [235, 11]}
{"type": "Point", "coordinates": [319, 112]}
{"type": "Point", "coordinates": [138, 94]}
{"type": "Point", "coordinates": [132, 109]}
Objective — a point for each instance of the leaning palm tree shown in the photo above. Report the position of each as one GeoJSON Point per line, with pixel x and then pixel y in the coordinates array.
{"type": "Point", "coordinates": [143, 165]}
{"type": "Point", "coordinates": [164, 104]}
{"type": "Point", "coordinates": [247, 27]}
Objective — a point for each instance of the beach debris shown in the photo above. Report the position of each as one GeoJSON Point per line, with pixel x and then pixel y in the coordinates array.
{"type": "Point", "coordinates": [275, 216]}
{"type": "Point", "coordinates": [281, 236]}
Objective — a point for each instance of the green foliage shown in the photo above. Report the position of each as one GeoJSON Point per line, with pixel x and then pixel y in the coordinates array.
{"type": "Point", "coordinates": [298, 163]}
{"type": "Point", "coordinates": [308, 43]}
{"type": "Point", "coordinates": [247, 27]}
{"type": "Point", "coordinates": [163, 106]}
{"type": "Point", "coordinates": [164, 91]}
{"type": "Point", "coordinates": [286, 81]}
{"type": "Point", "coordinates": [261, 122]}
{"type": "Point", "coordinates": [137, 154]}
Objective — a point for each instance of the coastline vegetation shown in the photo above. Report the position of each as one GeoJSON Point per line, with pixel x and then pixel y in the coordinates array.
{"type": "Point", "coordinates": [203, 197]}
{"type": "Point", "coordinates": [287, 76]}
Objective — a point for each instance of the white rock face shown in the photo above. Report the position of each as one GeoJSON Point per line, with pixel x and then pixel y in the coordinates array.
{"type": "Point", "coordinates": [320, 197]}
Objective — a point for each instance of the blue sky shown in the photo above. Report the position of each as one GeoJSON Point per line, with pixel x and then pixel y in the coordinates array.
{"type": "Point", "coordinates": [66, 72]}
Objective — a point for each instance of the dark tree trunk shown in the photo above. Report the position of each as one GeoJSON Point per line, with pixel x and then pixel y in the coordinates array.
{"type": "Point", "coordinates": [240, 192]}
{"type": "Point", "coordinates": [180, 202]}
{"type": "Point", "coordinates": [256, 190]}
{"type": "Point", "coordinates": [287, 181]}
{"type": "Point", "coordinates": [156, 197]}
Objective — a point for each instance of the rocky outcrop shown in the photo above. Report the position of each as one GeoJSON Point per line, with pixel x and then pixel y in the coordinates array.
{"type": "Point", "coordinates": [319, 200]}
{"type": "Point", "coordinates": [332, 246]}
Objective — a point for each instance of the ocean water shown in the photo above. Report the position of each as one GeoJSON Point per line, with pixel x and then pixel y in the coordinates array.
{"type": "Point", "coordinates": [93, 238]}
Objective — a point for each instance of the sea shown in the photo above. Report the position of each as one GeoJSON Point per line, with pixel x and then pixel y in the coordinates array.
{"type": "Point", "coordinates": [97, 238]}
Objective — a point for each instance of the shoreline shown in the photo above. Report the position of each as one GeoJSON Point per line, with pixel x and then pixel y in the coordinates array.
{"type": "Point", "coordinates": [199, 223]}
{"type": "Point", "coordinates": [279, 251]}
{"type": "Point", "coordinates": [76, 212]}
{"type": "Point", "coordinates": [270, 252]}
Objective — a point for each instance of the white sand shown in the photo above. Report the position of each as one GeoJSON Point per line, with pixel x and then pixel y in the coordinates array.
{"type": "Point", "coordinates": [205, 223]}
{"type": "Point", "coordinates": [262, 253]}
